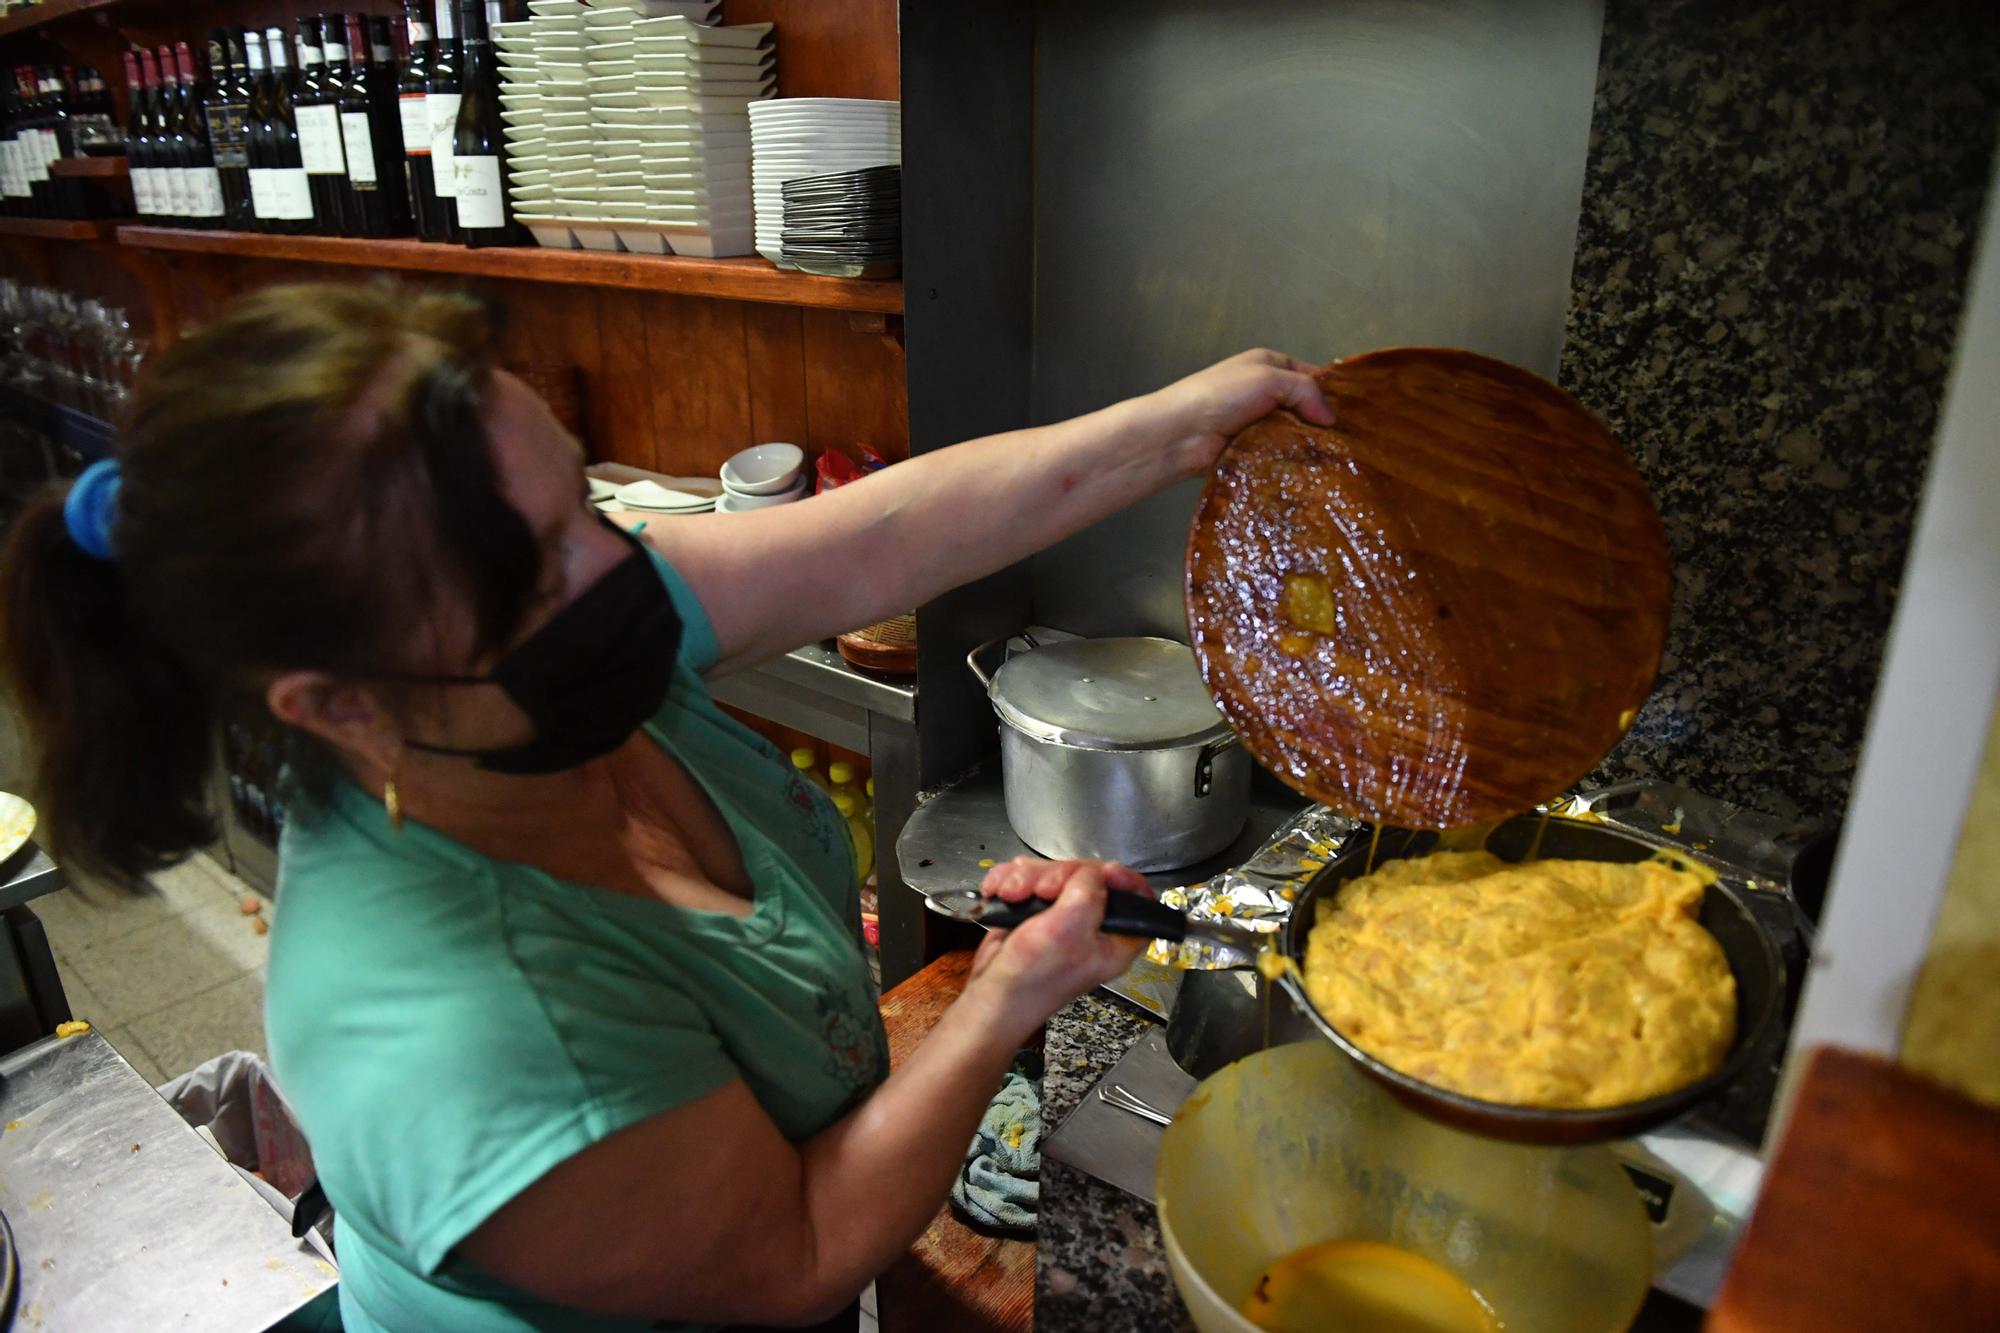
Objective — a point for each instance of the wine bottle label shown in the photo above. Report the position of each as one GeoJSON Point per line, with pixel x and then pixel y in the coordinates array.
{"type": "Point", "coordinates": [38, 156]}
{"type": "Point", "coordinates": [416, 124]}
{"type": "Point", "coordinates": [225, 135]}
{"type": "Point", "coordinates": [205, 191]}
{"type": "Point", "coordinates": [142, 192]}
{"type": "Point", "coordinates": [177, 192]}
{"type": "Point", "coordinates": [319, 141]}
{"type": "Point", "coordinates": [291, 194]}
{"type": "Point", "coordinates": [360, 147]}
{"type": "Point", "coordinates": [261, 204]}
{"type": "Point", "coordinates": [477, 187]}
{"type": "Point", "coordinates": [444, 129]}
{"type": "Point", "coordinates": [10, 169]}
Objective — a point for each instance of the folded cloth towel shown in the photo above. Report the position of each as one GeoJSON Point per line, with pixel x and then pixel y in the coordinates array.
{"type": "Point", "coordinates": [1001, 1183]}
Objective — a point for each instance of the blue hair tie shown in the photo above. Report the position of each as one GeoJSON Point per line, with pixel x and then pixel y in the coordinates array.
{"type": "Point", "coordinates": [92, 508]}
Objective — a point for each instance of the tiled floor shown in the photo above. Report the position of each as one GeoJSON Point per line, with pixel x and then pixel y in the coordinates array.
{"type": "Point", "coordinates": [170, 978]}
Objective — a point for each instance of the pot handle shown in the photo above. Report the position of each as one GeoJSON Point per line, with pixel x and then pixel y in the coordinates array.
{"type": "Point", "coordinates": [972, 658]}
{"type": "Point", "coordinates": [1204, 764]}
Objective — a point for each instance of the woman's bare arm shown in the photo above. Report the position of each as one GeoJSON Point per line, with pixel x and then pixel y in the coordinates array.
{"type": "Point", "coordinates": [772, 579]}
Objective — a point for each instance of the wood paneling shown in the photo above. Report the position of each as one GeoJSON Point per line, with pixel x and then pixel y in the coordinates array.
{"type": "Point", "coordinates": [854, 387]}
{"type": "Point", "coordinates": [829, 48]}
{"type": "Point", "coordinates": [701, 381]}
{"type": "Point", "coordinates": [774, 343]}
{"type": "Point", "coordinates": [623, 379]}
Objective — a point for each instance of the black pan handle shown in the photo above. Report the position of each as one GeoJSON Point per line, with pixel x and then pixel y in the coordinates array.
{"type": "Point", "coordinates": [1125, 913]}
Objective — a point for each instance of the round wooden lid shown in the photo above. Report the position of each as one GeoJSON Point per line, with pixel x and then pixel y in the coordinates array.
{"type": "Point", "coordinates": [1443, 609]}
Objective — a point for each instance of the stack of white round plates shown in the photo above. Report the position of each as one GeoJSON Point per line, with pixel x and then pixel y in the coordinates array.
{"type": "Point", "coordinates": [814, 136]}
{"type": "Point", "coordinates": [681, 495]}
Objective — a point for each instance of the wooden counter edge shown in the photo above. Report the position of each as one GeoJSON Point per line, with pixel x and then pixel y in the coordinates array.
{"type": "Point", "coordinates": [953, 1277]}
{"type": "Point", "coordinates": [1880, 1210]}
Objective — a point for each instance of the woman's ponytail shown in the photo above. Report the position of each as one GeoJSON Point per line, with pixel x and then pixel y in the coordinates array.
{"type": "Point", "coordinates": [121, 730]}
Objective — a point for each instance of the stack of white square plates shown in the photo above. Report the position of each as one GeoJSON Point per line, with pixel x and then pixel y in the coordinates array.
{"type": "Point", "coordinates": [658, 159]}
{"type": "Point", "coordinates": [814, 136]}
{"type": "Point", "coordinates": [541, 93]}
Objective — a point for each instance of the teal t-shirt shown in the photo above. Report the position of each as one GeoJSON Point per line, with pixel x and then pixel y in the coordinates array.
{"type": "Point", "coordinates": [447, 1027]}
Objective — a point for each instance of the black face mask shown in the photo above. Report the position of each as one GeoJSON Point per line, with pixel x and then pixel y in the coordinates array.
{"type": "Point", "coordinates": [590, 677]}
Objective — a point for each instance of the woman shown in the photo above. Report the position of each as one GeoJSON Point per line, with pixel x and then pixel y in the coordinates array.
{"type": "Point", "coordinates": [564, 983]}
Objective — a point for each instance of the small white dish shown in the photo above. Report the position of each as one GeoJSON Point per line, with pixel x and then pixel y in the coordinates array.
{"type": "Point", "coordinates": [649, 494]}
{"type": "Point", "coordinates": [549, 233]}
{"type": "Point", "coordinates": [555, 8]}
{"type": "Point", "coordinates": [735, 502]}
{"type": "Point", "coordinates": [764, 469]}
{"type": "Point", "coordinates": [690, 11]}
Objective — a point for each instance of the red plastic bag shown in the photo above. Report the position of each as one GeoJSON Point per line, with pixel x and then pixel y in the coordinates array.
{"type": "Point", "coordinates": [836, 469]}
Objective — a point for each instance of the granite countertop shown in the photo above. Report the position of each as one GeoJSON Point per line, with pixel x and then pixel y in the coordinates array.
{"type": "Point", "coordinates": [1099, 1262]}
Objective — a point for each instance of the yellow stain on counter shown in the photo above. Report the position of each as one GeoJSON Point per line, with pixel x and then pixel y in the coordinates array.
{"type": "Point", "coordinates": [987, 864]}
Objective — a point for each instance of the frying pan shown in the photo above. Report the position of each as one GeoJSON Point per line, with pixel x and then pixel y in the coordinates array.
{"type": "Point", "coordinates": [1760, 983]}
{"type": "Point", "coordinates": [1752, 960]}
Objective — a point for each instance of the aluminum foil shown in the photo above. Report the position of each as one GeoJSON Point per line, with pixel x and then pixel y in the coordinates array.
{"type": "Point", "coordinates": [1260, 892]}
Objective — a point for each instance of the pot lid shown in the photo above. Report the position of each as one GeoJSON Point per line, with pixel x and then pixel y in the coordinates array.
{"type": "Point", "coordinates": [1108, 694]}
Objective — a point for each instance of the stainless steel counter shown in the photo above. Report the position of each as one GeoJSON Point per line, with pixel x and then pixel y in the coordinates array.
{"type": "Point", "coordinates": [32, 875]}
{"type": "Point", "coordinates": [124, 1216]}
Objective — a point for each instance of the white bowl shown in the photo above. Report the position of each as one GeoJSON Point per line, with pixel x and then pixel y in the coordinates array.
{"type": "Point", "coordinates": [735, 502]}
{"type": "Point", "coordinates": [766, 469]}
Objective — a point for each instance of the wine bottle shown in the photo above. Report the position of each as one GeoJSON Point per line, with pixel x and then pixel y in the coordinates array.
{"type": "Point", "coordinates": [166, 197]}
{"type": "Point", "coordinates": [290, 190]}
{"type": "Point", "coordinates": [138, 141]}
{"type": "Point", "coordinates": [369, 132]}
{"type": "Point", "coordinates": [204, 178]}
{"type": "Point", "coordinates": [412, 93]}
{"type": "Point", "coordinates": [13, 180]}
{"type": "Point", "coordinates": [66, 193]}
{"type": "Point", "coordinates": [15, 147]}
{"type": "Point", "coordinates": [479, 150]}
{"type": "Point", "coordinates": [318, 118]}
{"type": "Point", "coordinates": [35, 142]}
{"type": "Point", "coordinates": [333, 79]}
{"type": "Point", "coordinates": [225, 113]}
{"type": "Point", "coordinates": [442, 93]}
{"type": "Point", "coordinates": [169, 138]}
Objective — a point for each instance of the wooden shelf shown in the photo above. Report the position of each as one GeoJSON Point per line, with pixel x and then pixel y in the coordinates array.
{"type": "Point", "coordinates": [56, 229]}
{"type": "Point", "coordinates": [49, 11]}
{"type": "Point", "coordinates": [94, 168]}
{"type": "Point", "coordinates": [750, 279]}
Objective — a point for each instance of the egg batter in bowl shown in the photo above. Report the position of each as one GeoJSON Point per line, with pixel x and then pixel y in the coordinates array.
{"type": "Point", "coordinates": [1551, 983]}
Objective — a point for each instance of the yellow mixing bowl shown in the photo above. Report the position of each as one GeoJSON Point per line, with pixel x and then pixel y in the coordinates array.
{"type": "Point", "coordinates": [1294, 1146]}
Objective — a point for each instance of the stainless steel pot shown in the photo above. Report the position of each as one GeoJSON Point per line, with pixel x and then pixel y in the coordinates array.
{"type": "Point", "coordinates": [1112, 748]}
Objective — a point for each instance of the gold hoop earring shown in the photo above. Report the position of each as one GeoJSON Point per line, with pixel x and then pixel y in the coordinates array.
{"type": "Point", "coordinates": [393, 803]}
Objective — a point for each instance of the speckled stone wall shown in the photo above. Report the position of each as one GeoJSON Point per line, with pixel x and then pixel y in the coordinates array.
{"type": "Point", "coordinates": [1777, 224]}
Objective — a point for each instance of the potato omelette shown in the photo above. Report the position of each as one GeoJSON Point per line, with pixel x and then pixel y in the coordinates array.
{"type": "Point", "coordinates": [1560, 984]}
